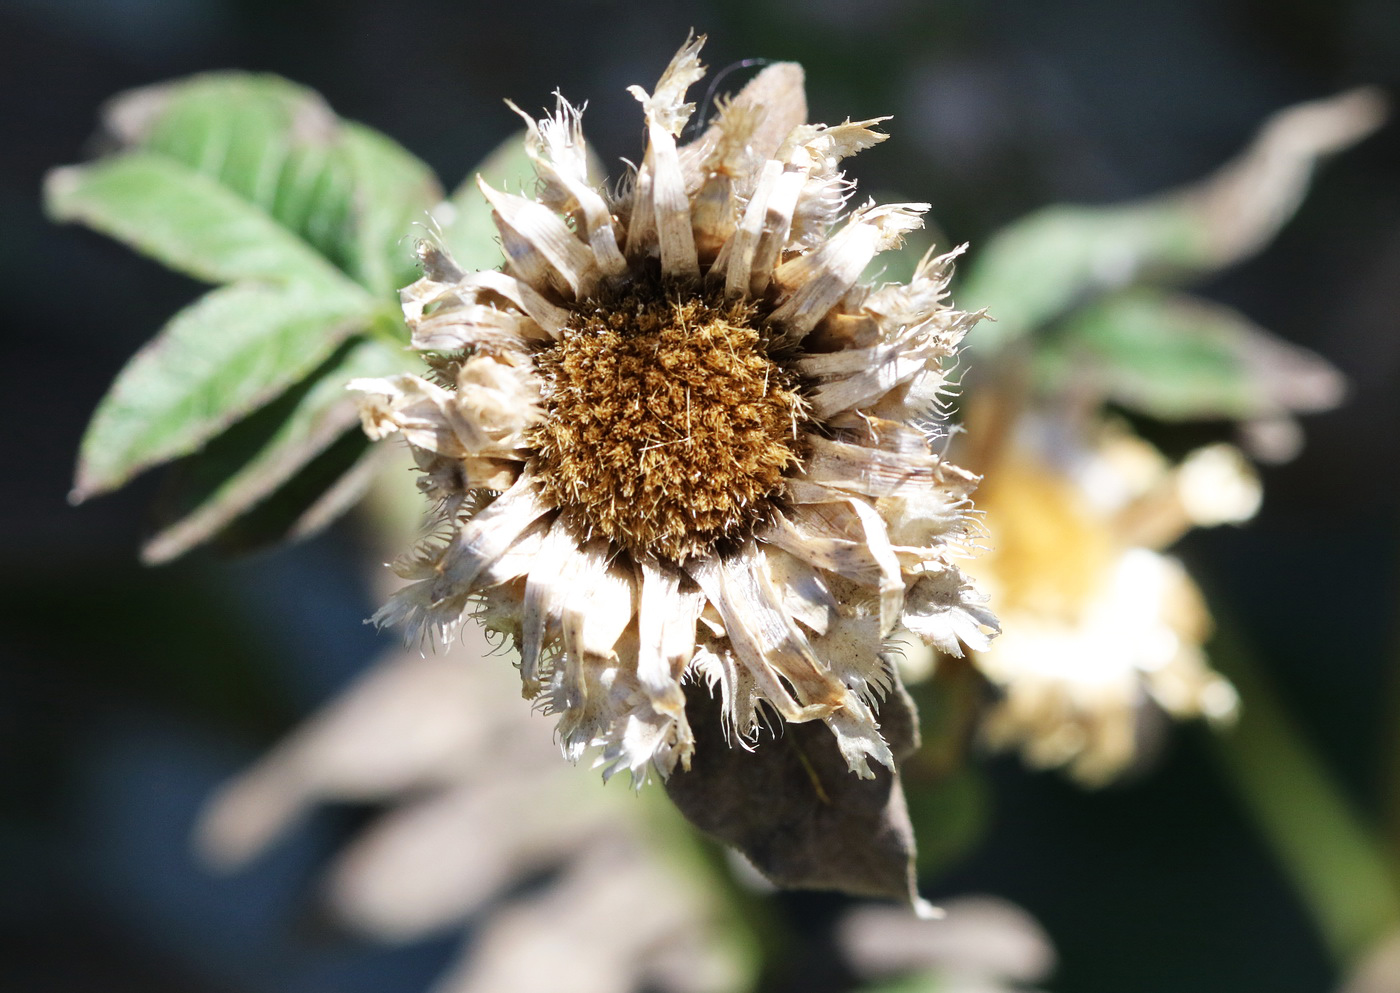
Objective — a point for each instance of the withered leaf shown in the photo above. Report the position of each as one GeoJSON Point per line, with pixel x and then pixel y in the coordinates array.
{"type": "Point", "coordinates": [794, 809]}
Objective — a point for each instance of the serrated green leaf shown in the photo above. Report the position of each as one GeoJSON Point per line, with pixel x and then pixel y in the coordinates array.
{"type": "Point", "coordinates": [189, 222]}
{"type": "Point", "coordinates": [223, 356]}
{"type": "Point", "coordinates": [254, 182]}
{"type": "Point", "coordinates": [348, 191]}
{"type": "Point", "coordinates": [1176, 357]}
{"type": "Point", "coordinates": [319, 413]}
{"type": "Point", "coordinates": [466, 228]}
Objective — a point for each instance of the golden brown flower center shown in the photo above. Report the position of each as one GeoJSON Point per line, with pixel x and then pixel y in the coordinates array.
{"type": "Point", "coordinates": [668, 426]}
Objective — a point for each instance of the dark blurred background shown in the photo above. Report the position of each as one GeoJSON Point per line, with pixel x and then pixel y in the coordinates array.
{"type": "Point", "coordinates": [127, 693]}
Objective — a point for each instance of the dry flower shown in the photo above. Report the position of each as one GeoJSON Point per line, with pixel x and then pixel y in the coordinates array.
{"type": "Point", "coordinates": [676, 438]}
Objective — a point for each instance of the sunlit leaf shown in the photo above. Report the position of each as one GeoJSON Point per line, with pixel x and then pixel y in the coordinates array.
{"type": "Point", "coordinates": [186, 220]}
{"type": "Point", "coordinates": [392, 193]}
{"type": "Point", "coordinates": [220, 358]}
{"type": "Point", "coordinates": [349, 192]}
{"type": "Point", "coordinates": [253, 182]}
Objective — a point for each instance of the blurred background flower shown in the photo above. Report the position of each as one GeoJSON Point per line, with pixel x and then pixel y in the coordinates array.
{"type": "Point", "coordinates": [1262, 858]}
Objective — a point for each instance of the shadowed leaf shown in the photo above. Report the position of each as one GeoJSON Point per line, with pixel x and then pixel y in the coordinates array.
{"type": "Point", "coordinates": [391, 194]}
{"type": "Point", "coordinates": [277, 517]}
{"type": "Point", "coordinates": [339, 496]}
{"type": "Point", "coordinates": [1175, 357]}
{"type": "Point", "coordinates": [794, 809]}
{"type": "Point", "coordinates": [1060, 257]}
{"type": "Point", "coordinates": [320, 413]}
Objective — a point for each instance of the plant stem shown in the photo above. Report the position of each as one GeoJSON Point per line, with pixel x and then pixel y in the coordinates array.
{"type": "Point", "coordinates": [1332, 857]}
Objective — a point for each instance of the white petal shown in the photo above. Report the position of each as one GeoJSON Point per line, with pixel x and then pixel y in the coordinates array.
{"type": "Point", "coordinates": [946, 611]}
{"type": "Point", "coordinates": [425, 413]}
{"type": "Point", "coordinates": [804, 592]}
{"type": "Point", "coordinates": [817, 281]}
{"type": "Point", "coordinates": [660, 206]}
{"type": "Point", "coordinates": [666, 622]}
{"type": "Point", "coordinates": [671, 207]}
{"type": "Point", "coordinates": [751, 127]}
{"type": "Point", "coordinates": [736, 260]}
{"type": "Point", "coordinates": [865, 557]}
{"type": "Point", "coordinates": [546, 231]}
{"type": "Point", "coordinates": [877, 473]}
{"type": "Point", "coordinates": [599, 604]}
{"type": "Point", "coordinates": [556, 147]}
{"type": "Point", "coordinates": [474, 327]}
{"type": "Point", "coordinates": [530, 301]}
{"type": "Point", "coordinates": [765, 639]}
{"type": "Point", "coordinates": [777, 221]}
{"type": "Point", "coordinates": [486, 537]}
{"type": "Point", "coordinates": [545, 585]}
{"type": "Point", "coordinates": [666, 105]}
{"type": "Point", "coordinates": [858, 737]}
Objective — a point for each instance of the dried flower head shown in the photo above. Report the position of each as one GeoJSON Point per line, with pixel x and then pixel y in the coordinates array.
{"type": "Point", "coordinates": [675, 437]}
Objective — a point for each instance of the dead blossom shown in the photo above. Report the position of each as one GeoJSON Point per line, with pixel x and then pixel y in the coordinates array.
{"type": "Point", "coordinates": [676, 438]}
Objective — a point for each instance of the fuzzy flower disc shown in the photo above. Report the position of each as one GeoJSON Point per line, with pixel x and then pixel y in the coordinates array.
{"type": "Point", "coordinates": [668, 425]}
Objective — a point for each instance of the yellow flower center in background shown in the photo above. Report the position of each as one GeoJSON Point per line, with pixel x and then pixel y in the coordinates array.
{"type": "Point", "coordinates": [1049, 554]}
{"type": "Point", "coordinates": [668, 425]}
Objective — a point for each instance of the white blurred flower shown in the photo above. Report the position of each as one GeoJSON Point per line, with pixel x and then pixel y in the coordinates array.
{"type": "Point", "coordinates": [1096, 620]}
{"type": "Point", "coordinates": [479, 802]}
{"type": "Point", "coordinates": [982, 945]}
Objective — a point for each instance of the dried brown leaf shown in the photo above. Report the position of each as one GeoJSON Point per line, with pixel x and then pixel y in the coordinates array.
{"type": "Point", "coordinates": [795, 810]}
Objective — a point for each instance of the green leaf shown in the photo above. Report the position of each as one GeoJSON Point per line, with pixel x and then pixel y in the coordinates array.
{"type": "Point", "coordinates": [392, 192]}
{"type": "Point", "coordinates": [320, 411]}
{"type": "Point", "coordinates": [467, 230]}
{"type": "Point", "coordinates": [186, 220]}
{"type": "Point", "coordinates": [1176, 357]}
{"type": "Point", "coordinates": [254, 182]}
{"type": "Point", "coordinates": [217, 360]}
{"type": "Point", "coordinates": [348, 191]}
{"type": "Point", "coordinates": [1055, 259]}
